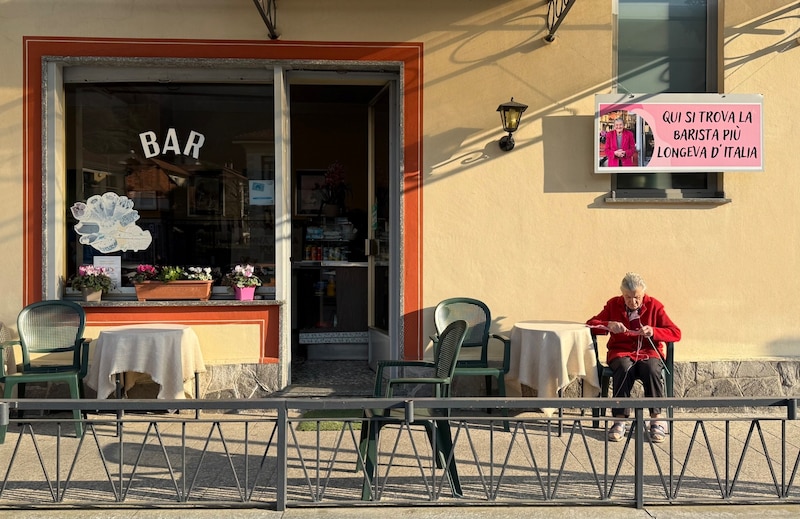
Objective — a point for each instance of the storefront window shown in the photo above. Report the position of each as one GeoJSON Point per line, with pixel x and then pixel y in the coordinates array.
{"type": "Point", "coordinates": [195, 160]}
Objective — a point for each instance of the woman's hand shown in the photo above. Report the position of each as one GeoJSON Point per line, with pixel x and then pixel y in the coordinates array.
{"type": "Point", "coordinates": [616, 327]}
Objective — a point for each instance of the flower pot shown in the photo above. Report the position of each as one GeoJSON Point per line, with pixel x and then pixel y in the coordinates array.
{"type": "Point", "coordinates": [92, 295]}
{"type": "Point", "coordinates": [173, 290]}
{"type": "Point", "coordinates": [244, 293]}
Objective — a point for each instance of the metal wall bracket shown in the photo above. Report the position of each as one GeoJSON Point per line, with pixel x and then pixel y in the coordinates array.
{"type": "Point", "coordinates": [556, 12]}
{"type": "Point", "coordinates": [268, 11]}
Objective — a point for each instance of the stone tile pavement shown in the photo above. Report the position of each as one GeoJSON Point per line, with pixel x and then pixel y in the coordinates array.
{"type": "Point", "coordinates": [476, 443]}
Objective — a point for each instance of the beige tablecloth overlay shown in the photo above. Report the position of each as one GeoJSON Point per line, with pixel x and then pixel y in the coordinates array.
{"type": "Point", "coordinates": [169, 353]}
{"type": "Point", "coordinates": [547, 356]}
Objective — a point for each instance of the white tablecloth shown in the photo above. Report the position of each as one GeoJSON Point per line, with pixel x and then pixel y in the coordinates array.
{"type": "Point", "coordinates": [169, 353]}
{"type": "Point", "coordinates": [547, 356]}
{"type": "Point", "coordinates": [9, 356]}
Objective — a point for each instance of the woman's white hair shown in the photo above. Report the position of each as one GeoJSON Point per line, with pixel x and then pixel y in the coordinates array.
{"type": "Point", "coordinates": [632, 281]}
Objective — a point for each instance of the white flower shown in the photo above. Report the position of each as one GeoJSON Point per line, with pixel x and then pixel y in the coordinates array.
{"type": "Point", "coordinates": [199, 273]}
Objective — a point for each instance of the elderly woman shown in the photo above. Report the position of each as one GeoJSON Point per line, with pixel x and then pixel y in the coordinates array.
{"type": "Point", "coordinates": [638, 324]}
{"type": "Point", "coordinates": [620, 145]}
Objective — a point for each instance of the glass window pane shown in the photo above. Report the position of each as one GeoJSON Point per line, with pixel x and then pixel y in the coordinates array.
{"type": "Point", "coordinates": [187, 155]}
{"type": "Point", "coordinates": [661, 47]}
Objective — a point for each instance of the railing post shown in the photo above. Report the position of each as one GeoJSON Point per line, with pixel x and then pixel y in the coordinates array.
{"type": "Point", "coordinates": [638, 491]}
{"type": "Point", "coordinates": [409, 415]}
{"type": "Point", "coordinates": [282, 459]}
{"type": "Point", "coordinates": [791, 409]}
{"type": "Point", "coordinates": [4, 414]}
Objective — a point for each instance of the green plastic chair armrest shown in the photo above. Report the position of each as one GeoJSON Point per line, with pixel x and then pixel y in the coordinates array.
{"type": "Point", "coordinates": [84, 366]}
{"type": "Point", "coordinates": [378, 389]}
{"type": "Point", "coordinates": [506, 350]}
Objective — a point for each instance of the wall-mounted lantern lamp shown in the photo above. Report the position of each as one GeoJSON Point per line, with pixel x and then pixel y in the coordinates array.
{"type": "Point", "coordinates": [510, 114]}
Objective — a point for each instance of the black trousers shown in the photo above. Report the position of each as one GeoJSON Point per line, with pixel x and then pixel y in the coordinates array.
{"type": "Point", "coordinates": [627, 372]}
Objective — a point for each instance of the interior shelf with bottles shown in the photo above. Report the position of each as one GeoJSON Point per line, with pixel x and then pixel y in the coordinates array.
{"type": "Point", "coordinates": [330, 288]}
{"type": "Point", "coordinates": [331, 243]}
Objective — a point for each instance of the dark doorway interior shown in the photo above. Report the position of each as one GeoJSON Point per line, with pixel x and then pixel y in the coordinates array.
{"type": "Point", "coordinates": [329, 157]}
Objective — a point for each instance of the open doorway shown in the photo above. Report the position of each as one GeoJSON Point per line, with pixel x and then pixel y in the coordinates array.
{"type": "Point", "coordinates": [333, 211]}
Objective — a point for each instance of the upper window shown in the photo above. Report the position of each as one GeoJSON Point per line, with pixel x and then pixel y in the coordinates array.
{"type": "Point", "coordinates": [666, 46]}
{"type": "Point", "coordinates": [195, 159]}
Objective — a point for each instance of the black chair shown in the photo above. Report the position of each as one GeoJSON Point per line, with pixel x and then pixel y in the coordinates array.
{"type": "Point", "coordinates": [605, 375]}
{"type": "Point", "coordinates": [435, 421]}
{"type": "Point", "coordinates": [474, 358]}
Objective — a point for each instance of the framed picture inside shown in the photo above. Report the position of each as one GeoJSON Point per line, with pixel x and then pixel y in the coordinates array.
{"type": "Point", "coordinates": [205, 196]}
{"type": "Point", "coordinates": [306, 196]}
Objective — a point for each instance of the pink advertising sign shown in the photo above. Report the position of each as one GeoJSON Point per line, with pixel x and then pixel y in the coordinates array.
{"type": "Point", "coordinates": [678, 132]}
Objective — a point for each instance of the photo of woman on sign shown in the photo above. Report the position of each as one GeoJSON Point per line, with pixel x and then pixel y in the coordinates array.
{"type": "Point", "coordinates": [620, 146]}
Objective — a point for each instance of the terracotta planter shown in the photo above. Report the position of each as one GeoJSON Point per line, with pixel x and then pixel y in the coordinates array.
{"type": "Point", "coordinates": [92, 295]}
{"type": "Point", "coordinates": [173, 290]}
{"type": "Point", "coordinates": [244, 293]}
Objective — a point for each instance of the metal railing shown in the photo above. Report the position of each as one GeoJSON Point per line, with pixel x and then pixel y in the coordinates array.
{"type": "Point", "coordinates": [279, 453]}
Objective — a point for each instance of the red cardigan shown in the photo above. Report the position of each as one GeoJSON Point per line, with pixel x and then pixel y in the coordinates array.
{"type": "Point", "coordinates": [651, 312]}
{"type": "Point", "coordinates": [628, 144]}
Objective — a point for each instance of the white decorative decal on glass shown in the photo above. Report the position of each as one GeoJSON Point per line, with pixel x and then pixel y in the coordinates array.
{"type": "Point", "coordinates": [107, 222]}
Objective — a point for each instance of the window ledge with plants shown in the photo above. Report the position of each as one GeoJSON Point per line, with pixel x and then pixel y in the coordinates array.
{"type": "Point", "coordinates": [172, 283]}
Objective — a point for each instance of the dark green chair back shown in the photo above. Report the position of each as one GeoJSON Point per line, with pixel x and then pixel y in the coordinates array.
{"type": "Point", "coordinates": [478, 319]}
{"type": "Point", "coordinates": [52, 327]}
{"type": "Point", "coordinates": [450, 343]}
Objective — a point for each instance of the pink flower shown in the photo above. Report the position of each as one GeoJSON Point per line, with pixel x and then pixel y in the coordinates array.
{"type": "Point", "coordinates": [92, 278]}
{"type": "Point", "coordinates": [147, 270]}
{"type": "Point", "coordinates": [243, 276]}
{"type": "Point", "coordinates": [91, 270]}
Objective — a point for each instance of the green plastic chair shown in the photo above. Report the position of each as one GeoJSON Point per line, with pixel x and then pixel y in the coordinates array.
{"type": "Point", "coordinates": [605, 375]}
{"type": "Point", "coordinates": [435, 421]}
{"type": "Point", "coordinates": [476, 344]}
{"type": "Point", "coordinates": [49, 327]}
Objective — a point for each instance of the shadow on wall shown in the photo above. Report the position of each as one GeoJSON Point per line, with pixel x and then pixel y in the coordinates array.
{"type": "Point", "coordinates": [788, 348]}
{"type": "Point", "coordinates": [447, 148]}
{"type": "Point", "coordinates": [568, 148]}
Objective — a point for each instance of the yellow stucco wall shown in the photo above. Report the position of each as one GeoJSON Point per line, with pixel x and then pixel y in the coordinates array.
{"type": "Point", "coordinates": [216, 341]}
{"type": "Point", "coordinates": [526, 231]}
